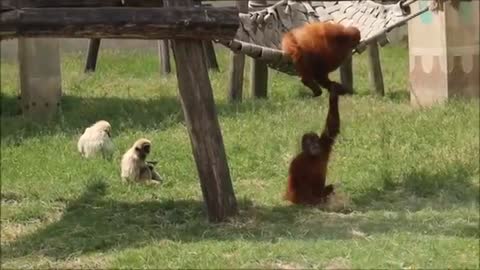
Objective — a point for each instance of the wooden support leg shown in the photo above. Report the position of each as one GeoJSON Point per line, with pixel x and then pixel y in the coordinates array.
{"type": "Point", "coordinates": [376, 76]}
{"type": "Point", "coordinates": [237, 66]}
{"type": "Point", "coordinates": [346, 74]}
{"type": "Point", "coordinates": [259, 79]}
{"type": "Point", "coordinates": [259, 76]}
{"type": "Point", "coordinates": [164, 54]}
{"type": "Point", "coordinates": [204, 130]}
{"type": "Point", "coordinates": [92, 56]}
{"type": "Point", "coordinates": [210, 55]}
{"type": "Point", "coordinates": [40, 77]}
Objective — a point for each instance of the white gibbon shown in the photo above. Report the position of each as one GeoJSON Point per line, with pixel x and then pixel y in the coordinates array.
{"type": "Point", "coordinates": [134, 166]}
{"type": "Point", "coordinates": [96, 140]}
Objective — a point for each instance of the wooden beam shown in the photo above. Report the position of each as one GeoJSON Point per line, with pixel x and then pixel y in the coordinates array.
{"type": "Point", "coordinates": [204, 130]}
{"type": "Point", "coordinates": [375, 72]}
{"type": "Point", "coordinates": [80, 3]}
{"type": "Point", "coordinates": [92, 55]}
{"type": "Point", "coordinates": [237, 66]}
{"type": "Point", "coordinates": [121, 22]}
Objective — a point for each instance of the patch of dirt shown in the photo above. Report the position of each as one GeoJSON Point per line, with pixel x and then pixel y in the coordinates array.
{"type": "Point", "coordinates": [11, 197]}
{"type": "Point", "coordinates": [285, 265]}
{"type": "Point", "coordinates": [338, 263]}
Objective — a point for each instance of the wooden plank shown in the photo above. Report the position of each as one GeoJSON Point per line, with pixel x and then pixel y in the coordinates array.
{"type": "Point", "coordinates": [237, 66]}
{"type": "Point", "coordinates": [7, 5]}
{"type": "Point", "coordinates": [375, 72]}
{"type": "Point", "coordinates": [82, 3]}
{"type": "Point", "coordinates": [92, 55]}
{"type": "Point", "coordinates": [121, 22]}
{"type": "Point", "coordinates": [204, 130]}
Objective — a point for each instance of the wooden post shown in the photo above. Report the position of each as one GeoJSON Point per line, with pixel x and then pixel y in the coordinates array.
{"type": "Point", "coordinates": [164, 53]}
{"type": "Point", "coordinates": [346, 74]}
{"type": "Point", "coordinates": [259, 70]}
{"type": "Point", "coordinates": [237, 66]}
{"type": "Point", "coordinates": [375, 73]}
{"type": "Point", "coordinates": [92, 55]}
{"type": "Point", "coordinates": [40, 77]}
{"type": "Point", "coordinates": [259, 79]}
{"type": "Point", "coordinates": [209, 52]}
{"type": "Point", "coordinates": [444, 53]}
{"type": "Point", "coordinates": [204, 130]}
{"type": "Point", "coordinates": [208, 49]}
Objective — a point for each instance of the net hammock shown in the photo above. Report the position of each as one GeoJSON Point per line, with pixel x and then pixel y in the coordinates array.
{"type": "Point", "coordinates": [260, 33]}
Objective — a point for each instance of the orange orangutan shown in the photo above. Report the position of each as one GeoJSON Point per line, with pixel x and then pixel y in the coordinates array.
{"type": "Point", "coordinates": [308, 170]}
{"type": "Point", "coordinates": [319, 48]}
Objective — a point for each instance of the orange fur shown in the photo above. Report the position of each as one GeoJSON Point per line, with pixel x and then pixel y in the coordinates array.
{"type": "Point", "coordinates": [319, 48]}
{"type": "Point", "coordinates": [308, 170]}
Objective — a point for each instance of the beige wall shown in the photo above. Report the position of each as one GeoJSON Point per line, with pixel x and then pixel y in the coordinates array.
{"type": "Point", "coordinates": [444, 53]}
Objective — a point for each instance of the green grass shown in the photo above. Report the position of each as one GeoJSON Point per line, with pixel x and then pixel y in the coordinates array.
{"type": "Point", "coordinates": [412, 176]}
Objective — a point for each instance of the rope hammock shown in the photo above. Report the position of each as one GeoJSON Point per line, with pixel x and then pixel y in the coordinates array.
{"type": "Point", "coordinates": [260, 33]}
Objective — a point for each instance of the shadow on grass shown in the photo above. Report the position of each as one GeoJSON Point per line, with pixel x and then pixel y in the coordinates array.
{"type": "Point", "coordinates": [92, 223]}
{"type": "Point", "coordinates": [398, 96]}
{"type": "Point", "coordinates": [453, 186]}
{"type": "Point", "coordinates": [80, 112]}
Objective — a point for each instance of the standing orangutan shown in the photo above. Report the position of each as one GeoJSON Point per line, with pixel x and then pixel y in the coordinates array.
{"type": "Point", "coordinates": [319, 48]}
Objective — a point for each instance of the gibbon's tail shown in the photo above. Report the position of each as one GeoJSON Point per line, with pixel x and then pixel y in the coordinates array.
{"type": "Point", "coordinates": [290, 46]}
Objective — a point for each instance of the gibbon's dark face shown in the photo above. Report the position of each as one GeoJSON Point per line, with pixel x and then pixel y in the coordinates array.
{"type": "Point", "coordinates": [146, 148]}
{"type": "Point", "coordinates": [143, 150]}
{"type": "Point", "coordinates": [311, 144]}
